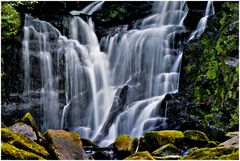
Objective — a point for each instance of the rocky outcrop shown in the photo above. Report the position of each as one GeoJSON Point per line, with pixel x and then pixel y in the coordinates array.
{"type": "Point", "coordinates": [64, 145]}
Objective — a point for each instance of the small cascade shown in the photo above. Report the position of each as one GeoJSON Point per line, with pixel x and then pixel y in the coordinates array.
{"type": "Point", "coordinates": [203, 21]}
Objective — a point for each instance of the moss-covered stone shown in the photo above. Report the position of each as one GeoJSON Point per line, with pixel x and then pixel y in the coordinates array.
{"type": "Point", "coordinates": [209, 153]}
{"type": "Point", "coordinates": [125, 145]}
{"type": "Point", "coordinates": [155, 139]}
{"type": "Point", "coordinates": [195, 138]}
{"type": "Point", "coordinates": [145, 155]}
{"type": "Point", "coordinates": [64, 145]}
{"type": "Point", "coordinates": [10, 152]}
{"type": "Point", "coordinates": [165, 150]}
{"type": "Point", "coordinates": [20, 141]}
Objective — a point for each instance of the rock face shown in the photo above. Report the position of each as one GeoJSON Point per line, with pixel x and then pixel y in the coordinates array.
{"type": "Point", "coordinates": [195, 138]}
{"type": "Point", "coordinates": [64, 145]}
{"type": "Point", "coordinates": [20, 141]}
{"type": "Point", "coordinates": [24, 129]}
{"type": "Point", "coordinates": [125, 145]}
{"type": "Point", "coordinates": [10, 152]}
{"type": "Point", "coordinates": [155, 139]}
{"type": "Point", "coordinates": [145, 155]}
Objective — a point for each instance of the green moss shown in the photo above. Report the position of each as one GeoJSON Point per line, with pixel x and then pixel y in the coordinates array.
{"type": "Point", "coordinates": [145, 155]}
{"type": "Point", "coordinates": [209, 77]}
{"type": "Point", "coordinates": [21, 142]}
{"type": "Point", "coordinates": [10, 152]}
{"type": "Point", "coordinates": [232, 156]}
{"type": "Point", "coordinates": [156, 139]}
{"type": "Point", "coordinates": [211, 144]}
{"type": "Point", "coordinates": [209, 153]}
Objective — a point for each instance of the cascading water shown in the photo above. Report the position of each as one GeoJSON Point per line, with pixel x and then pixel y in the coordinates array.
{"type": "Point", "coordinates": [79, 82]}
{"type": "Point", "coordinates": [203, 21]}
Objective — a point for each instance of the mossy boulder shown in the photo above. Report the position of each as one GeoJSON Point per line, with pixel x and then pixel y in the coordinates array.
{"type": "Point", "coordinates": [166, 150]}
{"type": "Point", "coordinates": [20, 141]}
{"type": "Point", "coordinates": [64, 145]}
{"type": "Point", "coordinates": [195, 138]}
{"type": "Point", "coordinates": [209, 153]}
{"type": "Point", "coordinates": [155, 139]}
{"type": "Point", "coordinates": [145, 155]}
{"type": "Point", "coordinates": [10, 152]}
{"type": "Point", "coordinates": [125, 145]}
{"type": "Point", "coordinates": [24, 129]}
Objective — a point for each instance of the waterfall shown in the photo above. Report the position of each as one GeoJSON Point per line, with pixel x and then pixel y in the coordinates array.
{"type": "Point", "coordinates": [79, 82]}
{"type": "Point", "coordinates": [147, 58]}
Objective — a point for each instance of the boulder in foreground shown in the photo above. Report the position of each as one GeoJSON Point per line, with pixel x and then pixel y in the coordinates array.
{"type": "Point", "coordinates": [64, 145]}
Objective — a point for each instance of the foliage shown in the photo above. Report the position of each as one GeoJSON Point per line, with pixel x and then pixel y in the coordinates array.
{"type": "Point", "coordinates": [10, 21]}
{"type": "Point", "coordinates": [212, 80]}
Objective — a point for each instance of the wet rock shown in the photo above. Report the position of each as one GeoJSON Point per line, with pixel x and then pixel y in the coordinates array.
{"type": "Point", "coordinates": [210, 153]}
{"type": "Point", "coordinates": [195, 138]}
{"type": "Point", "coordinates": [88, 143]}
{"type": "Point", "coordinates": [125, 145]}
{"type": "Point", "coordinates": [166, 150]}
{"type": "Point", "coordinates": [145, 155]}
{"type": "Point", "coordinates": [233, 142]}
{"type": "Point", "coordinates": [20, 141]}
{"type": "Point", "coordinates": [64, 145]}
{"type": "Point", "coordinates": [155, 139]}
{"type": "Point", "coordinates": [10, 152]}
{"type": "Point", "coordinates": [24, 129]}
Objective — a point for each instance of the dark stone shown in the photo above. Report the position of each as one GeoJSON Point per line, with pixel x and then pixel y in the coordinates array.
{"type": "Point", "coordinates": [101, 155]}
